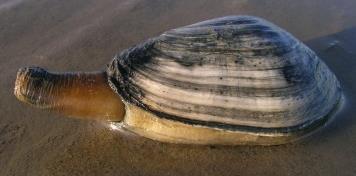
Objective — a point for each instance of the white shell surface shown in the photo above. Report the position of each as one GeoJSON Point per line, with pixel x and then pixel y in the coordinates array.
{"type": "Point", "coordinates": [233, 73]}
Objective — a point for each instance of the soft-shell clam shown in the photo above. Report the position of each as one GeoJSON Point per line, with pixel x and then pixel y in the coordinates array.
{"type": "Point", "coordinates": [229, 80]}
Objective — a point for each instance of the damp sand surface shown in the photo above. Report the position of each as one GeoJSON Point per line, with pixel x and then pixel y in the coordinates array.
{"type": "Point", "coordinates": [85, 34]}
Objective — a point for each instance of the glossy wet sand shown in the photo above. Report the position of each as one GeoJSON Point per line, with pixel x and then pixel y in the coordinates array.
{"type": "Point", "coordinates": [85, 35]}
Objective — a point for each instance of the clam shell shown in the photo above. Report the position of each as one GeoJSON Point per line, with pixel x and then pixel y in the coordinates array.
{"type": "Point", "coordinates": [231, 73]}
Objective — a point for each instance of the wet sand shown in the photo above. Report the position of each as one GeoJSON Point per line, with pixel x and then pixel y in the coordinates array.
{"type": "Point", "coordinates": [85, 34]}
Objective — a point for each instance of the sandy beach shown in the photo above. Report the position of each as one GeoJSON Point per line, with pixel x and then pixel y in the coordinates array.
{"type": "Point", "coordinates": [83, 35]}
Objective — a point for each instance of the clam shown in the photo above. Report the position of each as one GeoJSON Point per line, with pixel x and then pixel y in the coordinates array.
{"type": "Point", "coordinates": [230, 80]}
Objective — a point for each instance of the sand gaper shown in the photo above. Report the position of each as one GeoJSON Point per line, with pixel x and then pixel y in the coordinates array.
{"type": "Point", "coordinates": [230, 80]}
